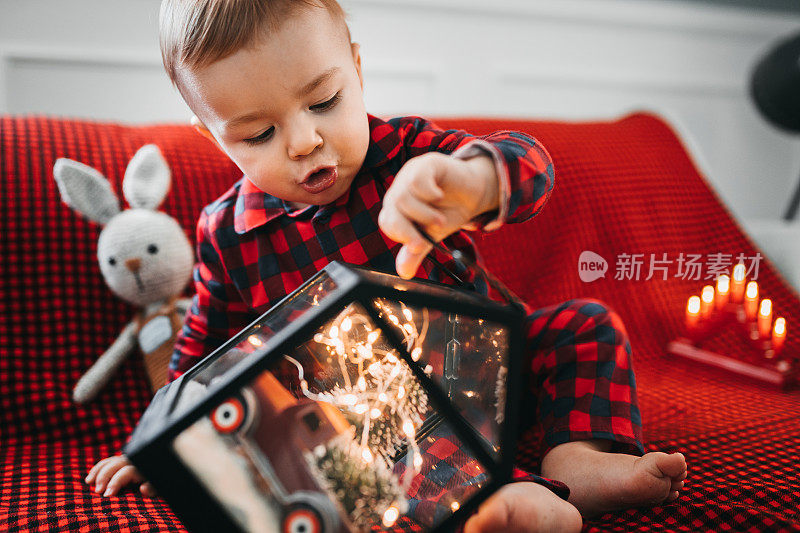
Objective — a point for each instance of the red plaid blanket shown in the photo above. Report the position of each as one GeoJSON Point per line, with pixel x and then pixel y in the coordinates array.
{"type": "Point", "coordinates": [622, 188]}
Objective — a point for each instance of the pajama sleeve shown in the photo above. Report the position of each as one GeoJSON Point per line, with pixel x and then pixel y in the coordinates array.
{"type": "Point", "coordinates": [217, 312]}
{"type": "Point", "coordinates": [524, 168]}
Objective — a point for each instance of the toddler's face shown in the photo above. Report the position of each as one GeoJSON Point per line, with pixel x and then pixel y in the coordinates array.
{"type": "Point", "coordinates": [288, 110]}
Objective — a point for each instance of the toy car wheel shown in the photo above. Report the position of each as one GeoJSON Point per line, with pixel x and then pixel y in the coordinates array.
{"type": "Point", "coordinates": [230, 415]}
{"type": "Point", "coordinates": [302, 519]}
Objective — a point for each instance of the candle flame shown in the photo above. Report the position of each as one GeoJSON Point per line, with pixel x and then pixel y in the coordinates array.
{"type": "Point", "coordinates": [454, 506]}
{"type": "Point", "coordinates": [708, 294]}
{"type": "Point", "coordinates": [766, 307]}
{"type": "Point", "coordinates": [693, 305]}
{"type": "Point", "coordinates": [780, 326]}
{"type": "Point", "coordinates": [723, 284]}
{"type": "Point", "coordinates": [752, 290]}
{"type": "Point", "coordinates": [738, 272]}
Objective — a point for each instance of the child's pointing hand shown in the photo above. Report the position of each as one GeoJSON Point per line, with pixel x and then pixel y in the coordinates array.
{"type": "Point", "coordinates": [440, 194]}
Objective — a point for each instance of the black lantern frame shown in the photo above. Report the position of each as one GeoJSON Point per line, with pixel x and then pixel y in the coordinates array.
{"type": "Point", "coordinates": [150, 447]}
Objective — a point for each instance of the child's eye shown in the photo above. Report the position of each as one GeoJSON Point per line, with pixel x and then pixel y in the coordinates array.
{"type": "Point", "coordinates": [324, 106]}
{"type": "Point", "coordinates": [262, 137]}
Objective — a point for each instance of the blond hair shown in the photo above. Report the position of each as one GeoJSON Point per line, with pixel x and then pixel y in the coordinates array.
{"type": "Point", "coordinates": [196, 33]}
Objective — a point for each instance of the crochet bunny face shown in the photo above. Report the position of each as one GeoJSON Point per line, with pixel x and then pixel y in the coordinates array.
{"type": "Point", "coordinates": [144, 254]}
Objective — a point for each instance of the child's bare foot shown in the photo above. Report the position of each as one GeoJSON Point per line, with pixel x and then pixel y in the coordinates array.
{"type": "Point", "coordinates": [600, 482]}
{"type": "Point", "coordinates": [112, 474]}
{"type": "Point", "coordinates": [524, 508]}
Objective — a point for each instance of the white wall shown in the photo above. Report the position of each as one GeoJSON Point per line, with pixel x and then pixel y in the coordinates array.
{"type": "Point", "coordinates": [571, 59]}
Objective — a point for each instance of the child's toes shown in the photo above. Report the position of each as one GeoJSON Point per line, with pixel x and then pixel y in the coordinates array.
{"type": "Point", "coordinates": [673, 496]}
{"type": "Point", "coordinates": [671, 465]}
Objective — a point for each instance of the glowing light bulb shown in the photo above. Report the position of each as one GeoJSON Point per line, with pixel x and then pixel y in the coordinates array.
{"type": "Point", "coordinates": [407, 314]}
{"type": "Point", "coordinates": [409, 328]}
{"type": "Point", "coordinates": [693, 305]}
{"type": "Point", "coordinates": [401, 392]}
{"type": "Point", "coordinates": [394, 320]}
{"type": "Point", "coordinates": [408, 429]}
{"type": "Point", "coordinates": [347, 324]}
{"type": "Point", "coordinates": [255, 341]}
{"type": "Point", "coordinates": [382, 397]}
{"type": "Point", "coordinates": [390, 516]}
{"type": "Point", "coordinates": [361, 383]}
{"type": "Point", "coordinates": [373, 336]}
{"type": "Point", "coordinates": [415, 353]}
{"type": "Point", "coordinates": [360, 409]}
{"type": "Point", "coordinates": [366, 455]}
{"type": "Point", "coordinates": [455, 506]}
{"type": "Point", "coordinates": [417, 461]}
{"type": "Point", "coordinates": [334, 332]}
{"type": "Point", "coordinates": [349, 399]}
{"type": "Point", "coordinates": [318, 338]}
{"type": "Point", "coordinates": [375, 412]}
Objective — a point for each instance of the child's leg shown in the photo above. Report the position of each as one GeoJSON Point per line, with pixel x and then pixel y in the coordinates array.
{"type": "Point", "coordinates": [583, 392]}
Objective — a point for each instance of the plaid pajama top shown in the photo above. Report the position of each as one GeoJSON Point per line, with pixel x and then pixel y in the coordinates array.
{"type": "Point", "coordinates": [254, 249]}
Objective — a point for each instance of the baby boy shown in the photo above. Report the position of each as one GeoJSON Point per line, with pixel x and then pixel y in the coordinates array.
{"type": "Point", "coordinates": [278, 86]}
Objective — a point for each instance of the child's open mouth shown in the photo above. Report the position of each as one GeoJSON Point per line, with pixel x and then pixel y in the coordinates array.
{"type": "Point", "coordinates": [320, 180]}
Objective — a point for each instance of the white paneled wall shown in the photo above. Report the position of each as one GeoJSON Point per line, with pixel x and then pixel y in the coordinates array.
{"type": "Point", "coordinates": [566, 59]}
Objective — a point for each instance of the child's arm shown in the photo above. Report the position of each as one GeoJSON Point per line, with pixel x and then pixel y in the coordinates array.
{"type": "Point", "coordinates": [453, 180]}
{"type": "Point", "coordinates": [217, 312]}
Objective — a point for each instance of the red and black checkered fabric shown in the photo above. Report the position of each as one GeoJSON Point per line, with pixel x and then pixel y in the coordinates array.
{"type": "Point", "coordinates": [622, 187]}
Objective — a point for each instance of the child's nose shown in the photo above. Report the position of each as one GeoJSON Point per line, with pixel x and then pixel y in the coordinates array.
{"type": "Point", "coordinates": [302, 140]}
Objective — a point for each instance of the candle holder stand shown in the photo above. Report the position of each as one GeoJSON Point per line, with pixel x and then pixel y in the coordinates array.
{"type": "Point", "coordinates": [763, 361]}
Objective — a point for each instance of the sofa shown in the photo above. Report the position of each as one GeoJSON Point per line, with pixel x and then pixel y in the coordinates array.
{"type": "Point", "coordinates": [623, 187]}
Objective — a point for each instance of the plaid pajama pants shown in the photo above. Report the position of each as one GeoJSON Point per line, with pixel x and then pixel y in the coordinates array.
{"type": "Point", "coordinates": [579, 374]}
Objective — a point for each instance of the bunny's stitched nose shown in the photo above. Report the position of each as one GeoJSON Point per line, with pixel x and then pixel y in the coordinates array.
{"type": "Point", "coordinates": [133, 264]}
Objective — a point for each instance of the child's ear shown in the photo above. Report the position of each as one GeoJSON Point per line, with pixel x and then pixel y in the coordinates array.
{"type": "Point", "coordinates": [202, 130]}
{"type": "Point", "coordinates": [356, 49]}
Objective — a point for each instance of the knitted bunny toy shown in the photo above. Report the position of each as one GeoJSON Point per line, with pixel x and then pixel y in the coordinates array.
{"type": "Point", "coordinates": [144, 256]}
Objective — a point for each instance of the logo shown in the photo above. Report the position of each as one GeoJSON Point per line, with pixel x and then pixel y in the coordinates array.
{"type": "Point", "coordinates": [591, 266]}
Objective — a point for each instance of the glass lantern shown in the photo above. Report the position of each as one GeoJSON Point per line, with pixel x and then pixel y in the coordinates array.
{"type": "Point", "coordinates": [360, 402]}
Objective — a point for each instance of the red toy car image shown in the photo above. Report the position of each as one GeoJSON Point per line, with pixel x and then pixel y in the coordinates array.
{"type": "Point", "coordinates": [275, 431]}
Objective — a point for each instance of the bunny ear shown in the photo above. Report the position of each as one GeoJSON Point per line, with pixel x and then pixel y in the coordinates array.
{"type": "Point", "coordinates": [85, 190]}
{"type": "Point", "coordinates": [147, 178]}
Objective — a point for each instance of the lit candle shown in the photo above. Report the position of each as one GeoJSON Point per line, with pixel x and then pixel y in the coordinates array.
{"type": "Point", "coordinates": [692, 312]}
{"type": "Point", "coordinates": [778, 334]}
{"type": "Point", "coordinates": [706, 301]}
{"type": "Point", "coordinates": [723, 289]}
{"type": "Point", "coordinates": [765, 318]}
{"type": "Point", "coordinates": [737, 284]}
{"type": "Point", "coordinates": [751, 300]}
